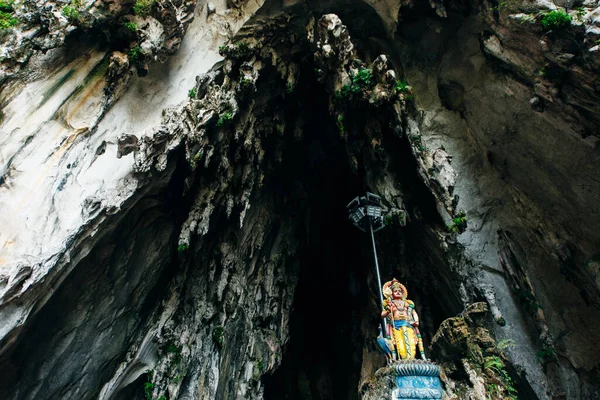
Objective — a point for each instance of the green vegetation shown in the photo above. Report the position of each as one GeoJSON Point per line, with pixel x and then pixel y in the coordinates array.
{"type": "Point", "coordinates": [260, 365]}
{"type": "Point", "coordinates": [395, 218]}
{"type": "Point", "coordinates": [192, 93]}
{"type": "Point", "coordinates": [340, 124]}
{"type": "Point", "coordinates": [182, 247]}
{"type": "Point", "coordinates": [70, 13]}
{"type": "Point", "coordinates": [148, 385]}
{"type": "Point", "coordinates": [459, 222]}
{"type": "Point", "coordinates": [361, 81]}
{"type": "Point", "coordinates": [246, 83]}
{"type": "Point", "coordinates": [217, 336]}
{"type": "Point", "coordinates": [135, 54]}
{"type": "Point", "coordinates": [579, 14]}
{"type": "Point", "coordinates": [403, 88]}
{"type": "Point", "coordinates": [224, 118]}
{"type": "Point", "coordinates": [346, 92]}
{"type": "Point", "coordinates": [493, 364]}
{"type": "Point", "coordinates": [236, 50]}
{"type": "Point", "coordinates": [143, 7]}
{"type": "Point", "coordinates": [175, 351]}
{"type": "Point", "coordinates": [6, 6]}
{"type": "Point", "coordinates": [505, 5]}
{"type": "Point", "coordinates": [418, 142]}
{"type": "Point", "coordinates": [363, 77]}
{"type": "Point", "coordinates": [7, 20]}
{"type": "Point", "coordinates": [505, 344]}
{"type": "Point", "coordinates": [556, 20]}
{"type": "Point", "coordinates": [197, 157]}
{"type": "Point", "coordinates": [130, 26]}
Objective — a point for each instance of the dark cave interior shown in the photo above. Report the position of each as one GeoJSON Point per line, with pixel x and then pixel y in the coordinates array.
{"type": "Point", "coordinates": [334, 318]}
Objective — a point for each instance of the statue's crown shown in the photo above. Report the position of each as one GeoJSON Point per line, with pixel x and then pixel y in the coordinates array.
{"type": "Point", "coordinates": [390, 286]}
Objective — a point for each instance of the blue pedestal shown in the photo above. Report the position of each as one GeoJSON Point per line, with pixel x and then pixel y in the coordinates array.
{"type": "Point", "coordinates": [416, 379]}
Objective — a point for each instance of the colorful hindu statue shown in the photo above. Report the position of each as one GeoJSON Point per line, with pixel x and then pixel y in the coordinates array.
{"type": "Point", "coordinates": [403, 330]}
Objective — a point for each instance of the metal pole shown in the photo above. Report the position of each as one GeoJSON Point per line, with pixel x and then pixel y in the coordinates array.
{"type": "Point", "coordinates": [383, 323]}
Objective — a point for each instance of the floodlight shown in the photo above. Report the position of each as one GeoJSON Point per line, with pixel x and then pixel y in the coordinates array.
{"type": "Point", "coordinates": [366, 213]}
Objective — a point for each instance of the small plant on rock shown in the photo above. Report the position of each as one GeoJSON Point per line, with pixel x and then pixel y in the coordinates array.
{"type": "Point", "coordinates": [246, 83]}
{"type": "Point", "coordinates": [493, 362]}
{"type": "Point", "coordinates": [494, 365]}
{"type": "Point", "coordinates": [343, 93]}
{"type": "Point", "coordinates": [135, 54]}
{"type": "Point", "coordinates": [579, 14]}
{"type": "Point", "coordinates": [504, 5]}
{"type": "Point", "coordinates": [130, 26]}
{"type": "Point", "coordinates": [236, 50]}
{"type": "Point", "coordinates": [192, 93]}
{"type": "Point", "coordinates": [224, 118]}
{"type": "Point", "coordinates": [361, 82]}
{"type": "Point", "coordinates": [556, 20]}
{"type": "Point", "coordinates": [175, 351]}
{"type": "Point", "coordinates": [7, 20]}
{"type": "Point", "coordinates": [70, 13]}
{"type": "Point", "coordinates": [148, 385]}
{"type": "Point", "coordinates": [403, 88]}
{"type": "Point", "coordinates": [505, 344]}
{"type": "Point", "coordinates": [340, 124]}
{"type": "Point", "coordinates": [217, 336]}
{"type": "Point", "coordinates": [182, 247]}
{"type": "Point", "coordinates": [6, 6]}
{"type": "Point", "coordinates": [364, 77]}
{"type": "Point", "coordinates": [459, 223]}
{"type": "Point", "coordinates": [143, 7]}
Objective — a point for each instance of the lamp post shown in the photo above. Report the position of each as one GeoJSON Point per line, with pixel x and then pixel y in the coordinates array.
{"type": "Point", "coordinates": [365, 212]}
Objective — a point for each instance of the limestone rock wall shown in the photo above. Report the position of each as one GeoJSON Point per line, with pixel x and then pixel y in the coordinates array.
{"type": "Point", "coordinates": [153, 227]}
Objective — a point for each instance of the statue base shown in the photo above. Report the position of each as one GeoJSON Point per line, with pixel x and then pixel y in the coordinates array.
{"type": "Point", "coordinates": [417, 379]}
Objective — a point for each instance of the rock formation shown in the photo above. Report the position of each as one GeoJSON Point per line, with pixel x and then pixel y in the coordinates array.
{"type": "Point", "coordinates": [173, 179]}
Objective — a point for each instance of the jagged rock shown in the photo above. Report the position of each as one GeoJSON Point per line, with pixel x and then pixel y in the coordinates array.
{"type": "Point", "coordinates": [465, 347]}
{"type": "Point", "coordinates": [167, 223]}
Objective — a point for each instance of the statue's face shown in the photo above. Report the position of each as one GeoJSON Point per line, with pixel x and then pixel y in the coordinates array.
{"type": "Point", "coordinates": [397, 293]}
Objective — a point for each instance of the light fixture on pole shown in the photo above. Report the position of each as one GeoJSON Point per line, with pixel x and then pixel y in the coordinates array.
{"type": "Point", "coordinates": [365, 212]}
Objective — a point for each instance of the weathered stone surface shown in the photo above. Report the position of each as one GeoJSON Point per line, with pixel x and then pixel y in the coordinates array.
{"type": "Point", "coordinates": [104, 175]}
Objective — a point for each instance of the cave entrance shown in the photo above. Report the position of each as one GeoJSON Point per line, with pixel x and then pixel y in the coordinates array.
{"type": "Point", "coordinates": [323, 358]}
{"type": "Point", "coordinates": [334, 318]}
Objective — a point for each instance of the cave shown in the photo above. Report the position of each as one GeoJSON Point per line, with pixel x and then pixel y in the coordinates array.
{"type": "Point", "coordinates": [186, 233]}
{"type": "Point", "coordinates": [334, 318]}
